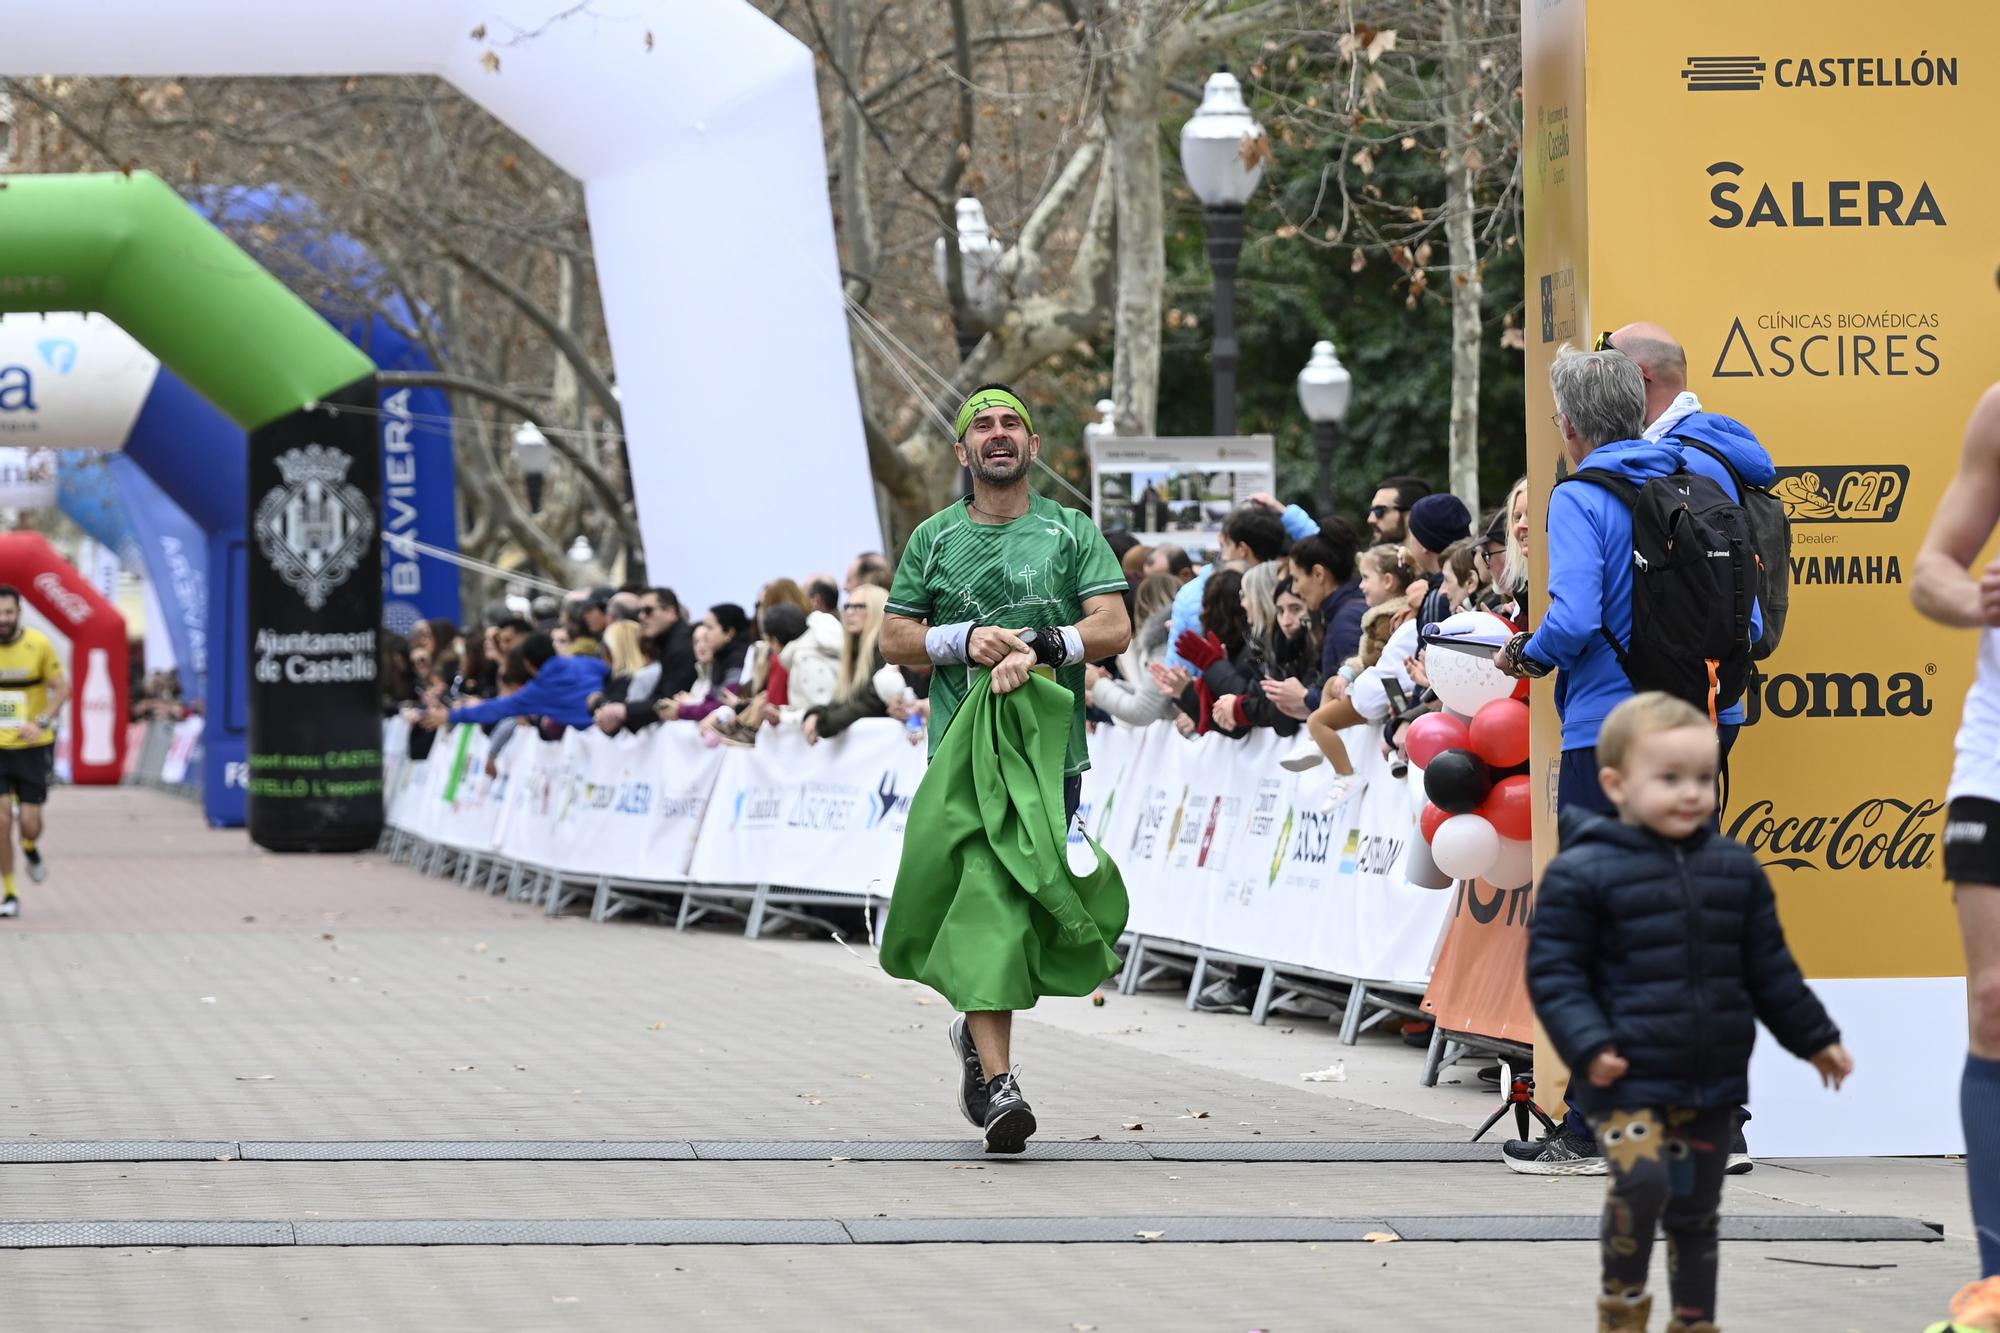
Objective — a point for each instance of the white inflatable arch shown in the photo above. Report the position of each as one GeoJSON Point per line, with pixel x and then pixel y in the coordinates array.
{"type": "Point", "coordinates": [705, 174]}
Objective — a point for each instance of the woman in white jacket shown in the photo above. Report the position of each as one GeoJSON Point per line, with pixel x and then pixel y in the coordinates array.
{"type": "Point", "coordinates": [1135, 699]}
{"type": "Point", "coordinates": [812, 667]}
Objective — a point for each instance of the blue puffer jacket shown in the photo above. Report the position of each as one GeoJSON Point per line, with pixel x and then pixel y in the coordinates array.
{"type": "Point", "coordinates": [1739, 444]}
{"type": "Point", "coordinates": [1590, 586]}
{"type": "Point", "coordinates": [1669, 953]}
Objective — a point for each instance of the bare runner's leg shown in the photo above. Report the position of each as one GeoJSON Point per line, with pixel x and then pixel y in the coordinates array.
{"type": "Point", "coordinates": [992, 1033]}
{"type": "Point", "coordinates": [1979, 1094]}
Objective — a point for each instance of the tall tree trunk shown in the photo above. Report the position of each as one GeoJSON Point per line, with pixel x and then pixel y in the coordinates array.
{"type": "Point", "coordinates": [1132, 111]}
{"type": "Point", "coordinates": [1468, 288]}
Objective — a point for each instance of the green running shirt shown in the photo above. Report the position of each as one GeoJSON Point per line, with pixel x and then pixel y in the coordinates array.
{"type": "Point", "coordinates": [1032, 573]}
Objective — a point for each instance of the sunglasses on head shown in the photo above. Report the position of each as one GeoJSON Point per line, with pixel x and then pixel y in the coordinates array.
{"type": "Point", "coordinates": [1603, 344]}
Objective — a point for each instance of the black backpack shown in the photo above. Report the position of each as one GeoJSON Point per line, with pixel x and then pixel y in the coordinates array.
{"type": "Point", "coordinates": [1771, 531]}
{"type": "Point", "coordinates": [1694, 571]}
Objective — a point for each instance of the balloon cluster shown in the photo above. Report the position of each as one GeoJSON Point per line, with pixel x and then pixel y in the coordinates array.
{"type": "Point", "coordinates": [1479, 819]}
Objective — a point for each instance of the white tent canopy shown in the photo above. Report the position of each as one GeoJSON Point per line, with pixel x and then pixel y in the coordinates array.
{"type": "Point", "coordinates": [705, 174]}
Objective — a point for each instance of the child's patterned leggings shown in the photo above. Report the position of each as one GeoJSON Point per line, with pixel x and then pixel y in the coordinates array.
{"type": "Point", "coordinates": [1666, 1167]}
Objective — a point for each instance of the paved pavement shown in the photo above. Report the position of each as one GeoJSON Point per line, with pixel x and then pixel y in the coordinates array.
{"type": "Point", "coordinates": [170, 982]}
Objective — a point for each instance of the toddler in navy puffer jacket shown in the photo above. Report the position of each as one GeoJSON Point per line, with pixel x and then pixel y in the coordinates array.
{"type": "Point", "coordinates": [1654, 952]}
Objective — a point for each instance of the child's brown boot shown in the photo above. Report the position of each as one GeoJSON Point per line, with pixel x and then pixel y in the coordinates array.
{"type": "Point", "coordinates": [1615, 1314]}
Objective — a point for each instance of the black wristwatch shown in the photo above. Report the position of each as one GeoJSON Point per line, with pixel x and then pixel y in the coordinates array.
{"type": "Point", "coordinates": [1050, 649]}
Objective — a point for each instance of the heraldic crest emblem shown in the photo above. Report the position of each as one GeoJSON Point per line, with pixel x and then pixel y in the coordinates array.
{"type": "Point", "coordinates": [315, 525]}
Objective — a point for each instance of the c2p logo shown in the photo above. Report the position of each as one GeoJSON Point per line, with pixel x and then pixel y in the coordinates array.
{"type": "Point", "coordinates": [1871, 494]}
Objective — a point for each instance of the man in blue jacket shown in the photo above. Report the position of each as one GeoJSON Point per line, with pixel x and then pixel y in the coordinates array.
{"type": "Point", "coordinates": [560, 690]}
{"type": "Point", "coordinates": [1674, 413]}
{"type": "Point", "coordinates": [1600, 409]}
{"type": "Point", "coordinates": [1601, 402]}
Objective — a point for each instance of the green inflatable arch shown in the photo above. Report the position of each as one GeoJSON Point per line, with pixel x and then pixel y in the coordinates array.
{"type": "Point", "coordinates": [127, 247]}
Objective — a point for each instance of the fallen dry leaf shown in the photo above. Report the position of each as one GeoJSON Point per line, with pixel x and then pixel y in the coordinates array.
{"type": "Point", "coordinates": [655, 1027]}
{"type": "Point", "coordinates": [1135, 1125]}
{"type": "Point", "coordinates": [1195, 1115]}
{"type": "Point", "coordinates": [1382, 1237]}
{"type": "Point", "coordinates": [491, 62]}
{"type": "Point", "coordinates": [463, 1069]}
{"type": "Point", "coordinates": [1149, 1235]}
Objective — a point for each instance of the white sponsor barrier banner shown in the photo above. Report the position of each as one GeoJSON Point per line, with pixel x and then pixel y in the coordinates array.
{"type": "Point", "coordinates": [1219, 845]}
{"type": "Point", "coordinates": [827, 817]}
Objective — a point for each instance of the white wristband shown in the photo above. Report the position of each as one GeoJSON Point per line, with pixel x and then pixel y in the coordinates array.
{"type": "Point", "coordinates": [947, 645]}
{"type": "Point", "coordinates": [1072, 638]}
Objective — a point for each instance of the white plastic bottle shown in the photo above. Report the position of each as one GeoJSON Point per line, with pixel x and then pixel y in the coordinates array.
{"type": "Point", "coordinates": [97, 744]}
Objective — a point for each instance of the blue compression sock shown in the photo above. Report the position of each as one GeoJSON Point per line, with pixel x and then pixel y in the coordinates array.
{"type": "Point", "coordinates": [1979, 1104]}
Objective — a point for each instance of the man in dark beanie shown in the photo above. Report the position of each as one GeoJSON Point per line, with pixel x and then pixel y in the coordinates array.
{"type": "Point", "coordinates": [1436, 521]}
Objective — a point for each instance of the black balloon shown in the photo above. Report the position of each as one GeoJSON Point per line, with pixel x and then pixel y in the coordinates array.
{"type": "Point", "coordinates": [1457, 781]}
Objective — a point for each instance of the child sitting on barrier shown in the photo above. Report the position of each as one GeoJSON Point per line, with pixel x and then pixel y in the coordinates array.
{"type": "Point", "coordinates": [1654, 952]}
{"type": "Point", "coordinates": [1386, 575]}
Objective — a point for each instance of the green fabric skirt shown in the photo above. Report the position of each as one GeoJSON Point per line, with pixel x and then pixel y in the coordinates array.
{"type": "Point", "coordinates": [987, 910]}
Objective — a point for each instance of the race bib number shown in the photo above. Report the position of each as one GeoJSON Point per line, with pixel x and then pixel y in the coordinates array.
{"type": "Point", "coordinates": [13, 707]}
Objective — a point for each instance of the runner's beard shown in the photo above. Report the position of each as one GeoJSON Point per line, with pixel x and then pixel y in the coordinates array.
{"type": "Point", "coordinates": [999, 471]}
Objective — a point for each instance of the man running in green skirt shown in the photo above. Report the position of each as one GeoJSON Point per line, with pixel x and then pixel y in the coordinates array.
{"type": "Point", "coordinates": [1007, 594]}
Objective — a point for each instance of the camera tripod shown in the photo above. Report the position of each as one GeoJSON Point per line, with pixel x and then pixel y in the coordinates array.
{"type": "Point", "coordinates": [1521, 1098]}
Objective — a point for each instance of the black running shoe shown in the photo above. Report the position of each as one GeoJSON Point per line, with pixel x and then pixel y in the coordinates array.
{"type": "Point", "coordinates": [1226, 997]}
{"type": "Point", "coordinates": [971, 1077]}
{"type": "Point", "coordinates": [1740, 1163]}
{"type": "Point", "coordinates": [1009, 1121]}
{"type": "Point", "coordinates": [38, 869]}
{"type": "Point", "coordinates": [1560, 1154]}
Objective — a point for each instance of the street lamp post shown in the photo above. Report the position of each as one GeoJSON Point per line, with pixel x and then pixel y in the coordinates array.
{"type": "Point", "coordinates": [531, 451]}
{"type": "Point", "coordinates": [1218, 155]}
{"type": "Point", "coordinates": [979, 267]}
{"type": "Point", "coordinates": [1324, 389]}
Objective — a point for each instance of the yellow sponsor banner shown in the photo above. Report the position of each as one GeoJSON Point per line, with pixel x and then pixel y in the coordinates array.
{"type": "Point", "coordinates": [1794, 189]}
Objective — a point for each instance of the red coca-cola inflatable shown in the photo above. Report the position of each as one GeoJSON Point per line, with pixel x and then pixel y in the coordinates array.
{"type": "Point", "coordinates": [89, 636]}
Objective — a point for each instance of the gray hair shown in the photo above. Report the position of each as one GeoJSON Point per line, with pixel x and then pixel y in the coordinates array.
{"type": "Point", "coordinates": [1602, 393]}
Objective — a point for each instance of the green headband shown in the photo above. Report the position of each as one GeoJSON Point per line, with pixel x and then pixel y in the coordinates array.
{"type": "Point", "coordinates": [986, 398]}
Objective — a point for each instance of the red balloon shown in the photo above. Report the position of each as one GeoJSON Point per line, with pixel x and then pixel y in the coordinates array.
{"type": "Point", "coordinates": [1433, 734]}
{"type": "Point", "coordinates": [1499, 733]}
{"type": "Point", "coordinates": [1510, 808]}
{"type": "Point", "coordinates": [1430, 819]}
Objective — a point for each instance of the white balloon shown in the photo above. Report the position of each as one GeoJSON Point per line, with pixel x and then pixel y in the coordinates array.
{"type": "Point", "coordinates": [1421, 870]}
{"type": "Point", "coordinates": [1514, 866]}
{"type": "Point", "coordinates": [1465, 846]}
{"type": "Point", "coordinates": [1467, 680]}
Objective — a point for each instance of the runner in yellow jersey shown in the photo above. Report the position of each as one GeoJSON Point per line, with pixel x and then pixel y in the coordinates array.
{"type": "Point", "coordinates": [33, 691]}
